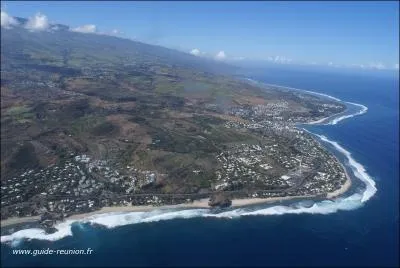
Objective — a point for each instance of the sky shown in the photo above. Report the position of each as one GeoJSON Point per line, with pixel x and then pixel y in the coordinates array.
{"type": "Point", "coordinates": [359, 34]}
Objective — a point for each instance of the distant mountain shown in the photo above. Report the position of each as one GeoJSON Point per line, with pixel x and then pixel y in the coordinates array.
{"type": "Point", "coordinates": [59, 39]}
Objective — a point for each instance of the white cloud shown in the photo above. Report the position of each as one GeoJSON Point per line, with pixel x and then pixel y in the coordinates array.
{"type": "Point", "coordinates": [331, 64]}
{"type": "Point", "coordinates": [279, 59]}
{"type": "Point", "coordinates": [220, 55]}
{"type": "Point", "coordinates": [396, 66]}
{"type": "Point", "coordinates": [39, 22]}
{"type": "Point", "coordinates": [116, 32]}
{"type": "Point", "coordinates": [374, 65]}
{"type": "Point", "coordinates": [7, 21]}
{"type": "Point", "coordinates": [89, 28]}
{"type": "Point", "coordinates": [362, 66]}
{"type": "Point", "coordinates": [195, 52]}
{"type": "Point", "coordinates": [238, 58]}
{"type": "Point", "coordinates": [378, 66]}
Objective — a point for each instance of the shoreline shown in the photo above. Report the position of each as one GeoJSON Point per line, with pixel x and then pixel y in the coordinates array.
{"type": "Point", "coordinates": [345, 187]}
{"type": "Point", "coordinates": [202, 203]}
{"type": "Point", "coordinates": [196, 204]}
{"type": "Point", "coordinates": [316, 122]}
{"type": "Point", "coordinates": [17, 220]}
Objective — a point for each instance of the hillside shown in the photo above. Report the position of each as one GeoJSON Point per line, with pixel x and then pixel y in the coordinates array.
{"type": "Point", "coordinates": [140, 119]}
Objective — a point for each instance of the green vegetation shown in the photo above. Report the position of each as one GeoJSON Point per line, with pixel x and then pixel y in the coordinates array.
{"type": "Point", "coordinates": [131, 104]}
{"type": "Point", "coordinates": [20, 114]}
{"type": "Point", "coordinates": [85, 124]}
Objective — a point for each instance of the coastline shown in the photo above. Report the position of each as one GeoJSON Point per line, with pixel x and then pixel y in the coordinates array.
{"type": "Point", "coordinates": [318, 121]}
{"type": "Point", "coordinates": [345, 187]}
{"type": "Point", "coordinates": [197, 204]}
{"type": "Point", "coordinates": [17, 220]}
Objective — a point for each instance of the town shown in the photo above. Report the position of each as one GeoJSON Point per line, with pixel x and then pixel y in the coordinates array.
{"type": "Point", "coordinates": [289, 163]}
{"type": "Point", "coordinates": [99, 122]}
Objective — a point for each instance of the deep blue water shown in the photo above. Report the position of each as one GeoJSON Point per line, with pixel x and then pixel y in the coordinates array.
{"type": "Point", "coordinates": [368, 236]}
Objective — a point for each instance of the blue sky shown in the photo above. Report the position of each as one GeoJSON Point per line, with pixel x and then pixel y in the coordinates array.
{"type": "Point", "coordinates": [335, 33]}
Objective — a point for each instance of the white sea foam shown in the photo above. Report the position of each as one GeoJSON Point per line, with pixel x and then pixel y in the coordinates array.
{"type": "Point", "coordinates": [363, 110]}
{"type": "Point", "coordinates": [358, 170]}
{"type": "Point", "coordinates": [63, 230]}
{"type": "Point", "coordinates": [112, 220]}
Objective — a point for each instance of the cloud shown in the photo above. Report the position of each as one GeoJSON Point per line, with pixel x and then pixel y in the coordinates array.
{"type": "Point", "coordinates": [396, 66]}
{"type": "Point", "coordinates": [39, 22]}
{"type": "Point", "coordinates": [373, 65]}
{"type": "Point", "coordinates": [362, 66]}
{"type": "Point", "coordinates": [195, 52]}
{"type": "Point", "coordinates": [331, 64]}
{"type": "Point", "coordinates": [116, 32]}
{"type": "Point", "coordinates": [378, 66]}
{"type": "Point", "coordinates": [238, 58]}
{"type": "Point", "coordinates": [7, 21]}
{"type": "Point", "coordinates": [279, 59]}
{"type": "Point", "coordinates": [88, 28]}
{"type": "Point", "coordinates": [220, 55]}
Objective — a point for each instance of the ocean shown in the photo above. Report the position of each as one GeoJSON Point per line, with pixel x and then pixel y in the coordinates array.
{"type": "Point", "coordinates": [360, 229]}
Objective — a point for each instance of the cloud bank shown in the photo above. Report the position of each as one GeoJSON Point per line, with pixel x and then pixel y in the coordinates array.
{"type": "Point", "coordinates": [7, 21]}
{"type": "Point", "coordinates": [378, 66]}
{"type": "Point", "coordinates": [280, 59]}
{"type": "Point", "coordinates": [39, 22]}
{"type": "Point", "coordinates": [195, 52]}
{"type": "Point", "coordinates": [88, 28]}
{"type": "Point", "coordinates": [220, 55]}
{"type": "Point", "coordinates": [116, 32]}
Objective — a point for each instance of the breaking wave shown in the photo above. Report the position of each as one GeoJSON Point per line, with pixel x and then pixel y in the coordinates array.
{"type": "Point", "coordinates": [63, 230]}
{"type": "Point", "coordinates": [363, 110]}
{"type": "Point", "coordinates": [112, 220]}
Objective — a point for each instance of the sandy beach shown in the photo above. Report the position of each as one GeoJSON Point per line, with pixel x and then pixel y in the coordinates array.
{"type": "Point", "coordinates": [317, 121]}
{"type": "Point", "coordinates": [346, 186]}
{"type": "Point", "coordinates": [17, 220]}
{"type": "Point", "coordinates": [202, 203]}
